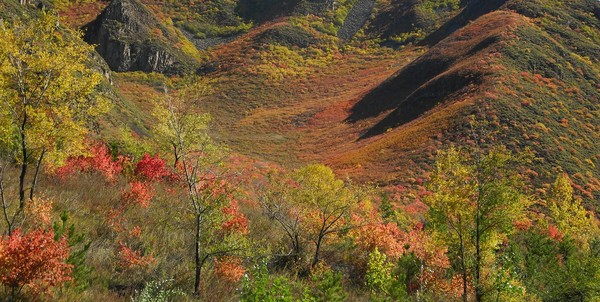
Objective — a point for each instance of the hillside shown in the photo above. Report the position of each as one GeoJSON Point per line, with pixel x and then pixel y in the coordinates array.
{"type": "Point", "coordinates": [290, 111]}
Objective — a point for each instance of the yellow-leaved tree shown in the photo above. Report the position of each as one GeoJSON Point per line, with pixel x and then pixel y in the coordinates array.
{"type": "Point", "coordinates": [48, 101]}
{"type": "Point", "coordinates": [475, 198]}
{"type": "Point", "coordinates": [571, 218]}
{"type": "Point", "coordinates": [311, 205]}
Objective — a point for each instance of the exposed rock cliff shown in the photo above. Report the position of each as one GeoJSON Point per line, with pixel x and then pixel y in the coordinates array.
{"type": "Point", "coordinates": [130, 38]}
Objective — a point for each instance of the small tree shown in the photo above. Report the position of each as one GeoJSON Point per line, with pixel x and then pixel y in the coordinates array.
{"type": "Point", "coordinates": [379, 278]}
{"type": "Point", "coordinates": [47, 94]}
{"type": "Point", "coordinates": [310, 206]}
{"type": "Point", "coordinates": [196, 160]}
{"type": "Point", "coordinates": [326, 203]}
{"type": "Point", "coordinates": [475, 199]}
{"type": "Point", "coordinates": [571, 218]}
{"type": "Point", "coordinates": [33, 260]}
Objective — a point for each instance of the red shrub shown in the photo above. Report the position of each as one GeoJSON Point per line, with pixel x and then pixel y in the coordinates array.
{"type": "Point", "coordinates": [128, 258]}
{"type": "Point", "coordinates": [34, 260]}
{"type": "Point", "coordinates": [236, 220]}
{"type": "Point", "coordinates": [229, 269]}
{"type": "Point", "coordinates": [152, 168]}
{"type": "Point", "coordinates": [100, 161]}
{"type": "Point", "coordinates": [139, 193]}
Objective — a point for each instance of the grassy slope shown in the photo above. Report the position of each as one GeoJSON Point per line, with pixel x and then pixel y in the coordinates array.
{"type": "Point", "coordinates": [532, 73]}
{"type": "Point", "coordinates": [537, 86]}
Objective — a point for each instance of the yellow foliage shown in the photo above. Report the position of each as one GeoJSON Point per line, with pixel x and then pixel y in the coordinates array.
{"type": "Point", "coordinates": [48, 91]}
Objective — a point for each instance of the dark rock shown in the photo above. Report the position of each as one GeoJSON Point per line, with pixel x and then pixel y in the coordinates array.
{"type": "Point", "coordinates": [125, 35]}
{"type": "Point", "coordinates": [357, 17]}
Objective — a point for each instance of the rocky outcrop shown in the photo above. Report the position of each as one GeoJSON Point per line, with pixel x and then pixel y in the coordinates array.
{"type": "Point", "coordinates": [358, 15]}
{"type": "Point", "coordinates": [130, 38]}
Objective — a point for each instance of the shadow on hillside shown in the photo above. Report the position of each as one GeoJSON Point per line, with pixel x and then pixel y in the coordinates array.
{"type": "Point", "coordinates": [395, 90]}
{"type": "Point", "coordinates": [473, 10]}
{"type": "Point", "coordinates": [261, 11]}
{"type": "Point", "coordinates": [445, 87]}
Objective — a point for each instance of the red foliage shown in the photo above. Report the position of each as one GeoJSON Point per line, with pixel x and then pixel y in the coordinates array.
{"type": "Point", "coordinates": [152, 168]}
{"type": "Point", "coordinates": [554, 233]}
{"type": "Point", "coordinates": [236, 220]}
{"type": "Point", "coordinates": [229, 269]}
{"type": "Point", "coordinates": [386, 237]}
{"type": "Point", "coordinates": [128, 258]}
{"type": "Point", "coordinates": [116, 219]}
{"type": "Point", "coordinates": [34, 260]}
{"type": "Point", "coordinates": [100, 161]}
{"type": "Point", "coordinates": [139, 193]}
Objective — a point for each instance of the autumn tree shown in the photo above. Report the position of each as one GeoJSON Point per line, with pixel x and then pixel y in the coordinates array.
{"type": "Point", "coordinates": [569, 215]}
{"type": "Point", "coordinates": [312, 206]}
{"type": "Point", "coordinates": [559, 254]}
{"type": "Point", "coordinates": [475, 198]}
{"type": "Point", "coordinates": [33, 260]}
{"type": "Point", "coordinates": [48, 99]}
{"type": "Point", "coordinates": [277, 205]}
{"type": "Point", "coordinates": [219, 226]}
{"type": "Point", "coordinates": [181, 128]}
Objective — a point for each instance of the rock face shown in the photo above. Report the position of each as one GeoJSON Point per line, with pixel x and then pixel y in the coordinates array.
{"type": "Point", "coordinates": [358, 15]}
{"type": "Point", "coordinates": [128, 38]}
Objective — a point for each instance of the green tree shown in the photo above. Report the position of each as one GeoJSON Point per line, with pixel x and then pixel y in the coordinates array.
{"type": "Point", "coordinates": [263, 287]}
{"type": "Point", "coordinates": [379, 278]}
{"type": "Point", "coordinates": [219, 229]}
{"type": "Point", "coordinates": [475, 198]}
{"type": "Point", "coordinates": [48, 100]}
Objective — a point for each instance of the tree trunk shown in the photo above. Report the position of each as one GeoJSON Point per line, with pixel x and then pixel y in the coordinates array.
{"type": "Point", "coordinates": [463, 268]}
{"type": "Point", "coordinates": [296, 245]}
{"type": "Point", "coordinates": [35, 176]}
{"type": "Point", "coordinates": [317, 251]}
{"type": "Point", "coordinates": [176, 155]}
{"type": "Point", "coordinates": [23, 173]}
{"type": "Point", "coordinates": [197, 259]}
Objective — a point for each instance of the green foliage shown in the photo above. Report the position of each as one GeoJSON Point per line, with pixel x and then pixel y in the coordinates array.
{"type": "Point", "coordinates": [181, 130]}
{"type": "Point", "coordinates": [261, 286]}
{"type": "Point", "coordinates": [409, 37]}
{"type": "Point", "coordinates": [62, 4]}
{"type": "Point", "coordinates": [157, 291]}
{"type": "Point", "coordinates": [431, 13]}
{"type": "Point", "coordinates": [556, 270]}
{"type": "Point", "coordinates": [329, 287]}
{"type": "Point", "coordinates": [570, 216]}
{"type": "Point", "coordinates": [81, 272]}
{"type": "Point", "coordinates": [205, 19]}
{"type": "Point", "coordinates": [379, 277]}
{"type": "Point", "coordinates": [439, 5]}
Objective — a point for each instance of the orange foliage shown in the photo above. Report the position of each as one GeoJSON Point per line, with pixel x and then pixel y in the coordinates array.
{"type": "Point", "coordinates": [34, 260]}
{"type": "Point", "coordinates": [229, 268]}
{"type": "Point", "coordinates": [128, 258]}
{"type": "Point", "coordinates": [41, 209]}
{"type": "Point", "coordinates": [236, 220]}
{"type": "Point", "coordinates": [374, 233]}
{"type": "Point", "coordinates": [139, 193]}
{"type": "Point", "coordinates": [554, 233]}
